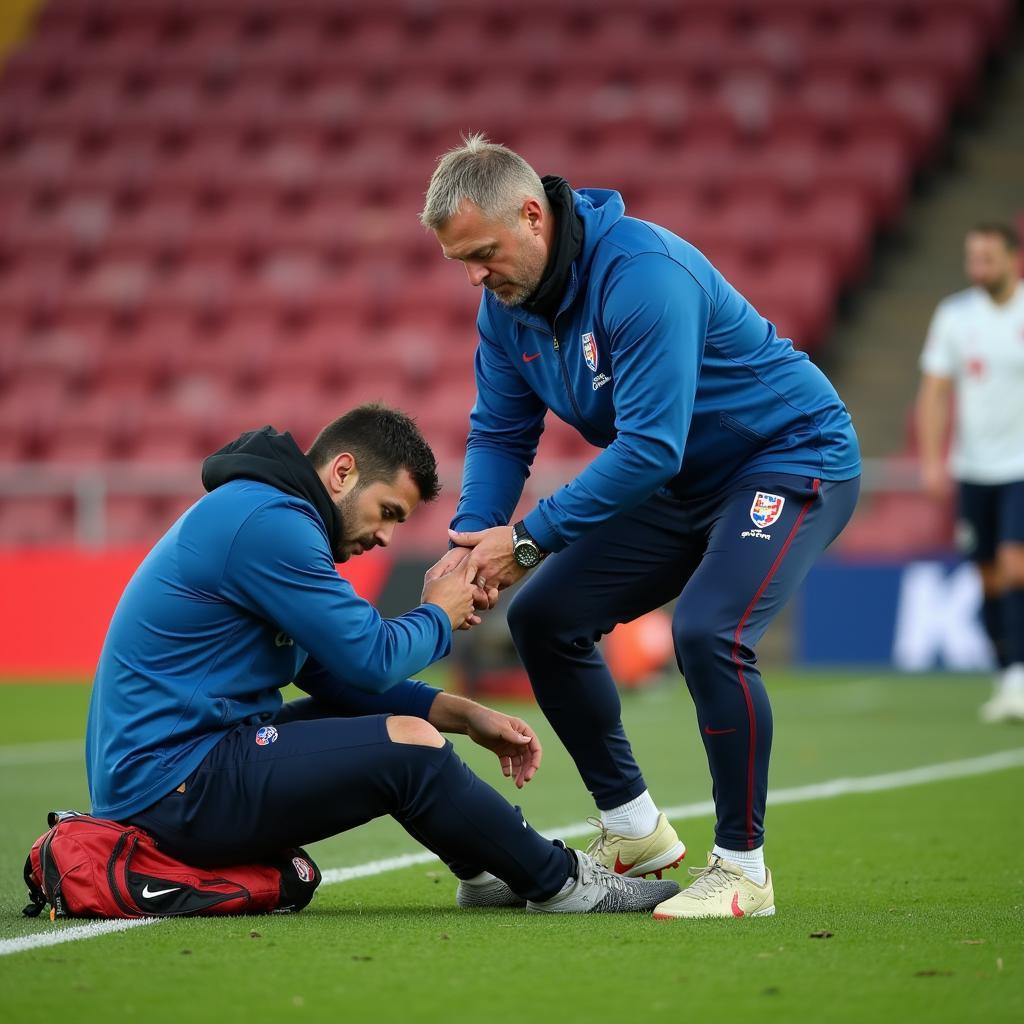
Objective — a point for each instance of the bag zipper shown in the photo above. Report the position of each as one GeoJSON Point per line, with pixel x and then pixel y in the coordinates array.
{"type": "Point", "coordinates": [51, 879]}
{"type": "Point", "coordinates": [112, 879]}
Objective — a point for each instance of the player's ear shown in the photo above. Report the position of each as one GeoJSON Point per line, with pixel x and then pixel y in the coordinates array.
{"type": "Point", "coordinates": [533, 213]}
{"type": "Point", "coordinates": [344, 473]}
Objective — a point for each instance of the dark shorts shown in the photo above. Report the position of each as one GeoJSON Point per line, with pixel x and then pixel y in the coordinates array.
{"type": "Point", "coordinates": [989, 515]}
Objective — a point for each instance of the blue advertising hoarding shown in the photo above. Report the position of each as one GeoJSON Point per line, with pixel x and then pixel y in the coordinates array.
{"type": "Point", "coordinates": [915, 616]}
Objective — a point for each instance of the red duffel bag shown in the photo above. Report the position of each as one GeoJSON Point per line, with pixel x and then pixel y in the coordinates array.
{"type": "Point", "coordinates": [91, 867]}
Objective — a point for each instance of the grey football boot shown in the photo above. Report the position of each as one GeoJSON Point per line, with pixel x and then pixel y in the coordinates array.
{"type": "Point", "coordinates": [596, 890]}
{"type": "Point", "coordinates": [492, 893]}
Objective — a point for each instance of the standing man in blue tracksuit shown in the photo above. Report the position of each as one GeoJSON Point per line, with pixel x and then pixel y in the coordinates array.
{"type": "Point", "coordinates": [729, 465]}
{"type": "Point", "coordinates": [188, 737]}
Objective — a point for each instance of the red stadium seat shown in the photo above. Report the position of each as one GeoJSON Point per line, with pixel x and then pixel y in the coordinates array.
{"type": "Point", "coordinates": [36, 520]}
{"type": "Point", "coordinates": [797, 293]}
{"type": "Point", "coordinates": [136, 519]}
{"type": "Point", "coordinates": [834, 226]}
{"type": "Point", "coordinates": [878, 168]}
{"type": "Point", "coordinates": [208, 208]}
{"type": "Point", "coordinates": [32, 288]}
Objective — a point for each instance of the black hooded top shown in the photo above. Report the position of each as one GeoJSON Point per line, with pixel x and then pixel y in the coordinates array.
{"type": "Point", "coordinates": [275, 459]}
{"type": "Point", "coordinates": [566, 245]}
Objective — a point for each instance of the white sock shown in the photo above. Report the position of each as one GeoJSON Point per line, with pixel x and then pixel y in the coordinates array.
{"type": "Point", "coordinates": [482, 879]}
{"type": "Point", "coordinates": [637, 818]}
{"type": "Point", "coordinates": [1011, 682]}
{"type": "Point", "coordinates": [751, 861]}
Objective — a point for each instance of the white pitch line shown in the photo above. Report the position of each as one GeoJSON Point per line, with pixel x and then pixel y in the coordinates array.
{"type": "Point", "coordinates": [377, 867]}
{"type": "Point", "coordinates": [72, 932]}
{"type": "Point", "coordinates": [984, 765]}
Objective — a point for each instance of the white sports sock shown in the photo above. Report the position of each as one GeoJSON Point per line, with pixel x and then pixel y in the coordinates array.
{"type": "Point", "coordinates": [751, 861]}
{"type": "Point", "coordinates": [482, 879]}
{"type": "Point", "coordinates": [637, 818]}
{"type": "Point", "coordinates": [1011, 682]}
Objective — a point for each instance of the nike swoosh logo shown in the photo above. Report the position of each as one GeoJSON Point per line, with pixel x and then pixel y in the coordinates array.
{"type": "Point", "coordinates": [708, 731]}
{"type": "Point", "coordinates": [157, 892]}
{"type": "Point", "coordinates": [736, 912]}
{"type": "Point", "coordinates": [530, 359]}
{"type": "Point", "coordinates": [620, 868]}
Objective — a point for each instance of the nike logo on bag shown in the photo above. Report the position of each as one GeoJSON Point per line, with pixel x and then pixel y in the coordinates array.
{"type": "Point", "coordinates": [736, 912]}
{"type": "Point", "coordinates": [708, 731]}
{"type": "Point", "coordinates": [157, 892]}
{"type": "Point", "coordinates": [530, 359]}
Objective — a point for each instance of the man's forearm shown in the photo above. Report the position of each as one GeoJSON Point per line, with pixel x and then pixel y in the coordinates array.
{"type": "Point", "coordinates": [492, 484]}
{"type": "Point", "coordinates": [932, 415]}
{"type": "Point", "coordinates": [450, 713]}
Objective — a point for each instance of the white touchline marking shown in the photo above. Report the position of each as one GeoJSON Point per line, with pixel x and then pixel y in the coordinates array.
{"type": "Point", "coordinates": [377, 867]}
{"type": "Point", "coordinates": [983, 765]}
{"type": "Point", "coordinates": [71, 932]}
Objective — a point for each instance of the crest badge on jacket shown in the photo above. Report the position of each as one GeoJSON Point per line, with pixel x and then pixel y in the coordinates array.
{"type": "Point", "coordinates": [590, 351]}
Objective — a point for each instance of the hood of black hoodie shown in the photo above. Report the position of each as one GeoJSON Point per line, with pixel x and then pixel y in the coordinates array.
{"type": "Point", "coordinates": [566, 245]}
{"type": "Point", "coordinates": [275, 459]}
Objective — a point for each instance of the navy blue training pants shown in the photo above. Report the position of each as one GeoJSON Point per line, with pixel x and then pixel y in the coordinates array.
{"type": "Point", "coordinates": [734, 559]}
{"type": "Point", "coordinates": [313, 775]}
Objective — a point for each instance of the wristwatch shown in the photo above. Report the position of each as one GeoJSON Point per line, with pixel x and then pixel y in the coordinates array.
{"type": "Point", "coordinates": [524, 547]}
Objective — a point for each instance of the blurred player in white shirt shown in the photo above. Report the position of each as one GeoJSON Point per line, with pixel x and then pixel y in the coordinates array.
{"type": "Point", "coordinates": [975, 346]}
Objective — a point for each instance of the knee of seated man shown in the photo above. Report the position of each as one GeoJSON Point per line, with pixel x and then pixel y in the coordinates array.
{"type": "Point", "coordinates": [415, 731]}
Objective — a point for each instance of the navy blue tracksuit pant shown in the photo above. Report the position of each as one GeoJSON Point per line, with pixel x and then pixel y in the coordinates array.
{"type": "Point", "coordinates": [733, 559]}
{"type": "Point", "coordinates": [321, 774]}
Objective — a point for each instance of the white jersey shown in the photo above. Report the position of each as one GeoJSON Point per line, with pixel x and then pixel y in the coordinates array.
{"type": "Point", "coordinates": [980, 345]}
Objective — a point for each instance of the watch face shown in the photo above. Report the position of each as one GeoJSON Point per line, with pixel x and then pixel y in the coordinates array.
{"type": "Point", "coordinates": [526, 554]}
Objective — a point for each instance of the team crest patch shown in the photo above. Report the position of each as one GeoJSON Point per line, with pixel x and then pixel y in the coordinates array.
{"type": "Point", "coordinates": [303, 869]}
{"type": "Point", "coordinates": [766, 509]}
{"type": "Point", "coordinates": [590, 351]}
{"type": "Point", "coordinates": [266, 735]}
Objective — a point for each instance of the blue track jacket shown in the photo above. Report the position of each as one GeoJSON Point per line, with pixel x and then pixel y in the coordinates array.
{"type": "Point", "coordinates": [238, 598]}
{"type": "Point", "coordinates": [658, 360]}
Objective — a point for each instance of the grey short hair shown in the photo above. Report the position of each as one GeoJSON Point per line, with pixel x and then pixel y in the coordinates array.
{"type": "Point", "coordinates": [491, 176]}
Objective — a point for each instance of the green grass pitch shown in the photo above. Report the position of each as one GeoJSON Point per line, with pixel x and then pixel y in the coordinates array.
{"type": "Point", "coordinates": [921, 889]}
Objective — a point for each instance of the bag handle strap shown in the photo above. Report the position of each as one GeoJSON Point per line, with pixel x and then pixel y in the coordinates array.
{"type": "Point", "coordinates": [35, 894]}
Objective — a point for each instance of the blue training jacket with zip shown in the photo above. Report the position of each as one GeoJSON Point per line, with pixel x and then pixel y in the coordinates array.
{"type": "Point", "coordinates": [240, 596]}
{"type": "Point", "coordinates": [657, 359]}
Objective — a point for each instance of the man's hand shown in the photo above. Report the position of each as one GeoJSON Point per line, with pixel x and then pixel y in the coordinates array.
{"type": "Point", "coordinates": [516, 744]}
{"type": "Point", "coordinates": [491, 556]}
{"type": "Point", "coordinates": [453, 591]}
{"type": "Point", "coordinates": [484, 597]}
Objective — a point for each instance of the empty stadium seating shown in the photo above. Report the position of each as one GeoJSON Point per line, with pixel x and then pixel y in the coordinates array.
{"type": "Point", "coordinates": [208, 207]}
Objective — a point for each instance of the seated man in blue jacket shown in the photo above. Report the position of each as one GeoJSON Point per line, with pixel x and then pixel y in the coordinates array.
{"type": "Point", "coordinates": [188, 737]}
{"type": "Point", "coordinates": [729, 464]}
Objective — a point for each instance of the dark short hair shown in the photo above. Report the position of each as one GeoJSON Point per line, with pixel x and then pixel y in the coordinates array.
{"type": "Point", "coordinates": [1007, 232]}
{"type": "Point", "coordinates": [383, 441]}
